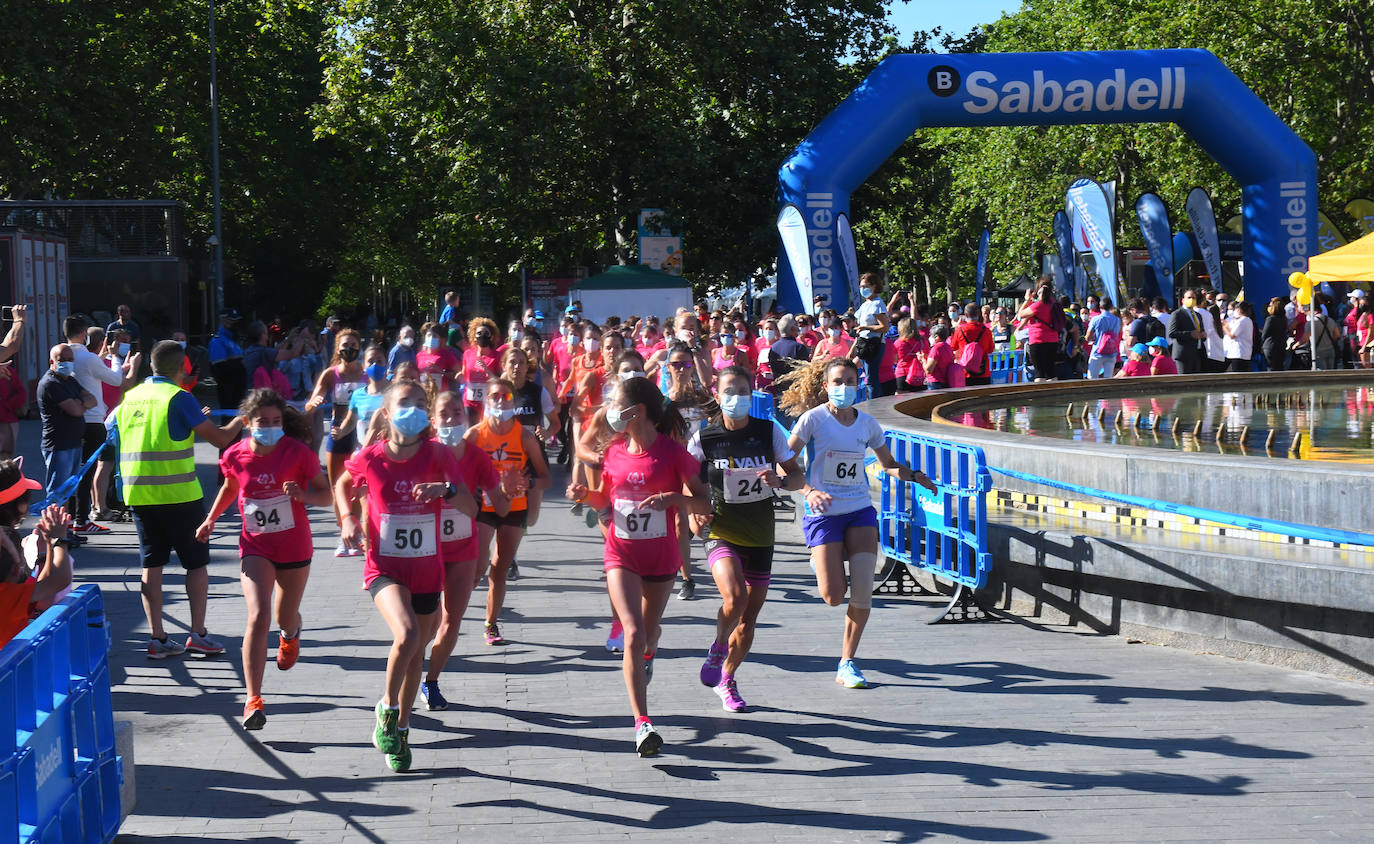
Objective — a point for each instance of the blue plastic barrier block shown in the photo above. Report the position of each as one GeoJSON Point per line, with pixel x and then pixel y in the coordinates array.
{"type": "Point", "coordinates": [9, 802]}
{"type": "Point", "coordinates": [110, 775]}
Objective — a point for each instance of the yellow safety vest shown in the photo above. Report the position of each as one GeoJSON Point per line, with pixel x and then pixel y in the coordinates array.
{"type": "Point", "coordinates": [156, 468]}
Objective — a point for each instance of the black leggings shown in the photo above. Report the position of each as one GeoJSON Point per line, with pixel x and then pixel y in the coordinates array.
{"type": "Point", "coordinates": [1042, 357]}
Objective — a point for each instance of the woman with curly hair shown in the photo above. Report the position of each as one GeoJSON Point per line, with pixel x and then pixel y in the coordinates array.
{"type": "Point", "coordinates": [840, 522]}
{"type": "Point", "coordinates": [272, 475]}
{"type": "Point", "coordinates": [481, 363]}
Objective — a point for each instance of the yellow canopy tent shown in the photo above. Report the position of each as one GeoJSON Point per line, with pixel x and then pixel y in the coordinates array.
{"type": "Point", "coordinates": [1352, 263]}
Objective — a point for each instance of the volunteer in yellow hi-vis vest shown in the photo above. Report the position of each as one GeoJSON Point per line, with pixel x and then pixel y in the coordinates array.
{"type": "Point", "coordinates": [155, 426]}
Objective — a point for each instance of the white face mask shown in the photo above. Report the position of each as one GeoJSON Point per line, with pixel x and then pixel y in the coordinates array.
{"type": "Point", "coordinates": [450, 434]}
{"type": "Point", "coordinates": [770, 335]}
{"type": "Point", "coordinates": [407, 341]}
{"type": "Point", "coordinates": [591, 346]}
{"type": "Point", "coordinates": [825, 322]}
{"type": "Point", "coordinates": [835, 333]}
{"type": "Point", "coordinates": [686, 336]}
{"type": "Point", "coordinates": [516, 335]}
{"type": "Point", "coordinates": [626, 376]}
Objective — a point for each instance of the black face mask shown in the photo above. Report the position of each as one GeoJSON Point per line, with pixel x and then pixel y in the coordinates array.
{"type": "Point", "coordinates": [484, 340]}
{"type": "Point", "coordinates": [348, 354]}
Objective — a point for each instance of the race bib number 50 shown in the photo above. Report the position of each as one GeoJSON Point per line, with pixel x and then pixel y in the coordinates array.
{"type": "Point", "coordinates": [408, 536]}
{"type": "Point", "coordinates": [844, 469]}
{"type": "Point", "coordinates": [268, 515]}
{"type": "Point", "coordinates": [638, 524]}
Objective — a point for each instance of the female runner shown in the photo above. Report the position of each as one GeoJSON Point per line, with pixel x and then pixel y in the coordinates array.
{"type": "Point", "coordinates": [737, 457]}
{"type": "Point", "coordinates": [514, 449]}
{"type": "Point", "coordinates": [643, 475]}
{"type": "Point", "coordinates": [337, 385]}
{"type": "Point", "coordinates": [365, 402]}
{"type": "Point", "coordinates": [840, 523]}
{"type": "Point", "coordinates": [273, 475]}
{"type": "Point", "coordinates": [437, 363]}
{"type": "Point", "coordinates": [534, 410]}
{"type": "Point", "coordinates": [696, 406]}
{"type": "Point", "coordinates": [407, 475]}
{"type": "Point", "coordinates": [481, 363]}
{"type": "Point", "coordinates": [458, 538]}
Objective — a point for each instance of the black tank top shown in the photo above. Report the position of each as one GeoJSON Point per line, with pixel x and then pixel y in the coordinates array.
{"type": "Point", "coordinates": [529, 405]}
{"type": "Point", "coordinates": [741, 522]}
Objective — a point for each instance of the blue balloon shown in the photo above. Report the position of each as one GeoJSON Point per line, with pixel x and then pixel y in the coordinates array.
{"type": "Point", "coordinates": [1193, 88]}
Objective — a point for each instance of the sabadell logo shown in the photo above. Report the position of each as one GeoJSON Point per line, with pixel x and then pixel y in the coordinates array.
{"type": "Point", "coordinates": [1163, 91]}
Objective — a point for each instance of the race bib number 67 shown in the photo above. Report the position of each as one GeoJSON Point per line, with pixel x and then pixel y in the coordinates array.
{"type": "Point", "coordinates": [638, 524]}
{"type": "Point", "coordinates": [408, 536]}
{"type": "Point", "coordinates": [843, 468]}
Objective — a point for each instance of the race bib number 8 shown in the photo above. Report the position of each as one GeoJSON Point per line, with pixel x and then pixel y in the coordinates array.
{"type": "Point", "coordinates": [743, 486]}
{"type": "Point", "coordinates": [268, 515]}
{"type": "Point", "coordinates": [843, 469]}
{"type": "Point", "coordinates": [639, 524]}
{"type": "Point", "coordinates": [454, 526]}
{"type": "Point", "coordinates": [408, 536]}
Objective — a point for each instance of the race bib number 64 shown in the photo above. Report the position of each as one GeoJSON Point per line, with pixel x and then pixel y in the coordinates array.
{"type": "Point", "coordinates": [843, 468]}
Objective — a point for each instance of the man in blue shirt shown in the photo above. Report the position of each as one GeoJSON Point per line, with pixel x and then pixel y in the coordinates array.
{"type": "Point", "coordinates": [226, 361]}
{"type": "Point", "coordinates": [1103, 340]}
{"type": "Point", "coordinates": [450, 312]}
{"type": "Point", "coordinates": [125, 322]}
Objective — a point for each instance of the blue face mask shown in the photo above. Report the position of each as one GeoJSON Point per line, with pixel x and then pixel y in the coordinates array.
{"type": "Point", "coordinates": [431, 342]}
{"type": "Point", "coordinates": [843, 396]}
{"type": "Point", "coordinates": [267, 436]}
{"type": "Point", "coordinates": [736, 407]}
{"type": "Point", "coordinates": [865, 292]}
{"type": "Point", "coordinates": [66, 367]}
{"type": "Point", "coordinates": [377, 372]}
{"type": "Point", "coordinates": [410, 421]}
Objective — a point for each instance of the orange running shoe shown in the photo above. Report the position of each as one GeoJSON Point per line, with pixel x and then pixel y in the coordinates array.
{"type": "Point", "coordinates": [288, 651]}
{"type": "Point", "coordinates": [253, 716]}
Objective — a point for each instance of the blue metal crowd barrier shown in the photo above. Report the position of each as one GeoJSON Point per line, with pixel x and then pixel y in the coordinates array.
{"type": "Point", "coordinates": [762, 405]}
{"type": "Point", "coordinates": [945, 533]}
{"type": "Point", "coordinates": [59, 774]}
{"type": "Point", "coordinates": [1007, 367]}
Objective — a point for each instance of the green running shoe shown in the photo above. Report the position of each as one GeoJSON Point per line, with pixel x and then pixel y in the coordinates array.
{"type": "Point", "coordinates": [384, 737]}
{"type": "Point", "coordinates": [400, 760]}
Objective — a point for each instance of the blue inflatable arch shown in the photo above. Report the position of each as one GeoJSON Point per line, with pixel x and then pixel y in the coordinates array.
{"type": "Point", "coordinates": [1276, 170]}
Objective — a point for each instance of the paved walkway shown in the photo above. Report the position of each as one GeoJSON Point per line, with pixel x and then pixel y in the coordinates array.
{"type": "Point", "coordinates": [1000, 731]}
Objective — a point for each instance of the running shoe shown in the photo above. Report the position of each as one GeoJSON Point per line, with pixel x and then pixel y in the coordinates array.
{"type": "Point", "coordinates": [648, 668]}
{"type": "Point", "coordinates": [253, 716]}
{"type": "Point", "coordinates": [647, 740]}
{"type": "Point", "coordinates": [90, 528]}
{"type": "Point", "coordinates": [399, 761]}
{"type": "Point", "coordinates": [715, 658]}
{"type": "Point", "coordinates": [163, 648]}
{"type": "Point", "coordinates": [342, 549]}
{"type": "Point", "coordinates": [514, 572]}
{"type": "Point", "coordinates": [201, 643]}
{"type": "Point", "coordinates": [849, 675]}
{"type": "Point", "coordinates": [384, 737]}
{"type": "Point", "coordinates": [102, 515]}
{"type": "Point", "coordinates": [615, 643]}
{"type": "Point", "coordinates": [288, 651]}
{"type": "Point", "coordinates": [687, 591]}
{"type": "Point", "coordinates": [434, 699]}
{"type": "Point", "coordinates": [728, 693]}
{"type": "Point", "coordinates": [493, 635]}
{"type": "Point", "coordinates": [577, 508]}
{"type": "Point", "coordinates": [592, 518]}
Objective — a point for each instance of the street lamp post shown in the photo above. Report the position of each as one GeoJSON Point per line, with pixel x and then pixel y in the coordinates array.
{"type": "Point", "coordinates": [218, 301]}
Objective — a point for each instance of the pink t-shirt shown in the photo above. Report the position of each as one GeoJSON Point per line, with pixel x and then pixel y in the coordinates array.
{"type": "Point", "coordinates": [645, 541]}
{"type": "Point", "coordinates": [646, 351]}
{"type": "Point", "coordinates": [275, 526]}
{"type": "Point", "coordinates": [1040, 325]}
{"type": "Point", "coordinates": [888, 367]}
{"type": "Point", "coordinates": [403, 534]}
{"type": "Point", "coordinates": [434, 363]}
{"type": "Point", "coordinates": [1163, 365]}
{"type": "Point", "coordinates": [906, 350]}
{"type": "Point", "coordinates": [457, 532]}
{"type": "Point", "coordinates": [478, 367]}
{"type": "Point", "coordinates": [1133, 368]}
{"type": "Point", "coordinates": [943, 356]}
{"type": "Point", "coordinates": [557, 351]}
{"type": "Point", "coordinates": [829, 348]}
{"type": "Point", "coordinates": [809, 338]}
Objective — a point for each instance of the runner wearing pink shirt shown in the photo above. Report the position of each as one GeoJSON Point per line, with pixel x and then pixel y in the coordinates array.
{"type": "Point", "coordinates": [481, 362]}
{"type": "Point", "coordinates": [457, 538]}
{"type": "Point", "coordinates": [644, 472]}
{"type": "Point", "coordinates": [406, 477]}
{"type": "Point", "coordinates": [272, 477]}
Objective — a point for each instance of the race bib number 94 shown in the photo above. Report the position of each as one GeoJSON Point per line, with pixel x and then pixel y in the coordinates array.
{"type": "Point", "coordinates": [743, 486]}
{"type": "Point", "coordinates": [639, 524]}
{"type": "Point", "coordinates": [843, 469]}
{"type": "Point", "coordinates": [268, 515]}
{"type": "Point", "coordinates": [408, 536]}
